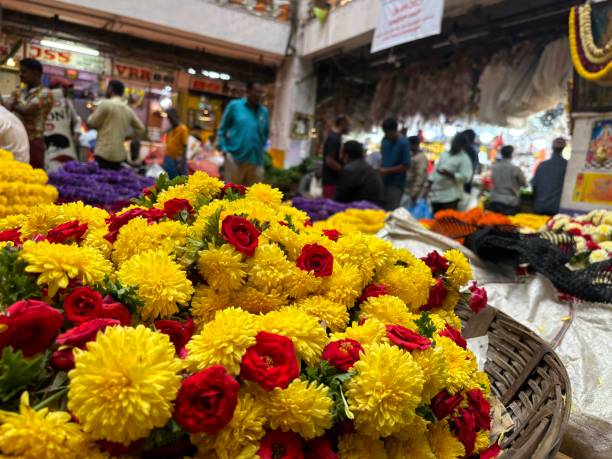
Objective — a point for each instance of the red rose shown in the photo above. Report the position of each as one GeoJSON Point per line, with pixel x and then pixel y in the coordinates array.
{"type": "Point", "coordinates": [320, 448]}
{"type": "Point", "coordinates": [63, 360]}
{"type": "Point", "coordinates": [179, 332]}
{"type": "Point", "coordinates": [491, 452]}
{"type": "Point", "coordinates": [407, 339]}
{"type": "Point", "coordinates": [67, 232]}
{"type": "Point", "coordinates": [342, 354]}
{"type": "Point", "coordinates": [592, 245]}
{"type": "Point", "coordinates": [455, 335]}
{"type": "Point", "coordinates": [148, 191]}
{"type": "Point", "coordinates": [241, 233]}
{"type": "Point", "coordinates": [332, 234]}
{"type": "Point", "coordinates": [479, 298]}
{"type": "Point", "coordinates": [83, 304]}
{"type": "Point", "coordinates": [481, 409]}
{"type": "Point", "coordinates": [29, 326]}
{"type": "Point", "coordinates": [116, 222]}
{"type": "Point", "coordinates": [436, 296]}
{"type": "Point", "coordinates": [271, 362]}
{"type": "Point", "coordinates": [372, 291]}
{"type": "Point", "coordinates": [11, 235]}
{"type": "Point", "coordinates": [316, 259]}
{"type": "Point", "coordinates": [154, 215]}
{"type": "Point", "coordinates": [436, 262]}
{"type": "Point", "coordinates": [112, 309]}
{"type": "Point", "coordinates": [240, 189]}
{"type": "Point", "coordinates": [82, 334]}
{"type": "Point", "coordinates": [175, 206]}
{"type": "Point", "coordinates": [443, 404]}
{"type": "Point", "coordinates": [465, 425]}
{"type": "Point", "coordinates": [281, 445]}
{"type": "Point", "coordinates": [206, 401]}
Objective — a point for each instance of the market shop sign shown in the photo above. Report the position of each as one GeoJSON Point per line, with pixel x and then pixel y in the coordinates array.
{"type": "Point", "coordinates": [66, 59]}
{"type": "Point", "coordinates": [403, 21]}
{"type": "Point", "coordinates": [140, 73]}
{"type": "Point", "coordinates": [221, 87]}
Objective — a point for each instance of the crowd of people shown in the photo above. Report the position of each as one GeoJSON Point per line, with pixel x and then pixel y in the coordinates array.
{"type": "Point", "coordinates": [399, 176]}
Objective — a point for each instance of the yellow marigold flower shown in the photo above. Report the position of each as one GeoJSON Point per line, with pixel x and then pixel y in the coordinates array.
{"type": "Point", "coordinates": [56, 264]}
{"type": "Point", "coordinates": [242, 435]}
{"type": "Point", "coordinates": [205, 303]}
{"type": "Point", "coordinates": [93, 216]}
{"type": "Point", "coordinates": [94, 238]}
{"type": "Point", "coordinates": [344, 285]}
{"type": "Point", "coordinates": [307, 334]}
{"type": "Point", "coordinates": [385, 391]}
{"type": "Point", "coordinates": [222, 267]}
{"type": "Point", "coordinates": [265, 194]}
{"type": "Point", "coordinates": [416, 447]}
{"type": "Point", "coordinates": [459, 271]}
{"type": "Point", "coordinates": [285, 237]}
{"type": "Point", "coordinates": [451, 300]}
{"type": "Point", "coordinates": [434, 365]}
{"type": "Point", "coordinates": [41, 434]}
{"type": "Point", "coordinates": [268, 267]}
{"type": "Point", "coordinates": [298, 217]}
{"type": "Point", "coordinates": [372, 331]}
{"type": "Point", "coordinates": [299, 283]}
{"type": "Point", "coordinates": [201, 221]}
{"type": "Point", "coordinates": [303, 407]}
{"type": "Point", "coordinates": [12, 221]}
{"type": "Point", "coordinates": [443, 443]}
{"type": "Point", "coordinates": [482, 441]}
{"type": "Point", "coordinates": [223, 341]}
{"type": "Point", "coordinates": [335, 315]}
{"type": "Point", "coordinates": [446, 316]}
{"type": "Point", "coordinates": [160, 282]}
{"type": "Point", "coordinates": [480, 380]}
{"type": "Point", "coordinates": [382, 251]}
{"type": "Point", "coordinates": [137, 236]}
{"type": "Point", "coordinates": [258, 301]}
{"type": "Point", "coordinates": [389, 310]}
{"type": "Point", "coordinates": [203, 185]}
{"type": "Point", "coordinates": [354, 248]}
{"type": "Point", "coordinates": [41, 219]}
{"type": "Point", "coordinates": [177, 191]}
{"type": "Point", "coordinates": [356, 446]}
{"type": "Point", "coordinates": [411, 283]}
{"type": "Point", "coordinates": [123, 386]}
{"type": "Point", "coordinates": [461, 364]}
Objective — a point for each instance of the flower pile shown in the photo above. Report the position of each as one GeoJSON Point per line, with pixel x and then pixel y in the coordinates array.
{"type": "Point", "coordinates": [213, 321]}
{"type": "Point", "coordinates": [591, 235]}
{"type": "Point", "coordinates": [88, 183]}
{"type": "Point", "coordinates": [322, 209]}
{"type": "Point", "coordinates": [21, 186]}
{"type": "Point", "coordinates": [368, 221]}
{"type": "Point", "coordinates": [529, 223]}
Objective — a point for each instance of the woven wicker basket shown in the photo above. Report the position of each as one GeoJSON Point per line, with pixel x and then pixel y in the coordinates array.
{"type": "Point", "coordinates": [529, 379]}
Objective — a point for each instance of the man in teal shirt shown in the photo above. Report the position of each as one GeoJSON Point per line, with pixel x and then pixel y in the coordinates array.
{"type": "Point", "coordinates": [243, 134]}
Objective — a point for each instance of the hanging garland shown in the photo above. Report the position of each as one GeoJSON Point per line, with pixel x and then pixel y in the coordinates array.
{"type": "Point", "coordinates": [591, 61]}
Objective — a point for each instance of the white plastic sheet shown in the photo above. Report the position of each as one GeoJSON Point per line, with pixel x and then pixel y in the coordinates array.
{"type": "Point", "coordinates": [582, 333]}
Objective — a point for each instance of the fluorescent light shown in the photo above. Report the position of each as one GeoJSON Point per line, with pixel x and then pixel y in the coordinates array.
{"type": "Point", "coordinates": [214, 75]}
{"type": "Point", "coordinates": [225, 76]}
{"type": "Point", "coordinates": [191, 71]}
{"type": "Point", "coordinates": [70, 47]}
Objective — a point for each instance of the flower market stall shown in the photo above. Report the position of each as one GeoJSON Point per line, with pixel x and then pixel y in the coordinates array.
{"type": "Point", "coordinates": [213, 321]}
{"type": "Point", "coordinates": [577, 330]}
{"type": "Point", "coordinates": [21, 186]}
{"type": "Point", "coordinates": [88, 183]}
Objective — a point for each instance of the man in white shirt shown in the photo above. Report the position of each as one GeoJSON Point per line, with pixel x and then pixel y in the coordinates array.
{"type": "Point", "coordinates": [13, 136]}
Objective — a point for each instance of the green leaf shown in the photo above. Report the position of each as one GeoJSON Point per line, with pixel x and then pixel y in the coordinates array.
{"type": "Point", "coordinates": [163, 436]}
{"type": "Point", "coordinates": [232, 195]}
{"type": "Point", "coordinates": [426, 325]}
{"type": "Point", "coordinates": [426, 413]}
{"type": "Point", "coordinates": [211, 230]}
{"type": "Point", "coordinates": [15, 283]}
{"type": "Point", "coordinates": [126, 295]}
{"type": "Point", "coordinates": [17, 372]}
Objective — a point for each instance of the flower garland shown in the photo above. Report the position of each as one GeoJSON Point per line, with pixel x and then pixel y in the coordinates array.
{"type": "Point", "coordinates": [21, 186]}
{"type": "Point", "coordinates": [591, 234]}
{"type": "Point", "coordinates": [214, 320]}
{"type": "Point", "coordinates": [591, 62]}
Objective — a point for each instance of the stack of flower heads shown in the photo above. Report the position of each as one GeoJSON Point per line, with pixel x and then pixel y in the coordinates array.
{"type": "Point", "coordinates": [591, 235]}
{"type": "Point", "coordinates": [99, 187]}
{"type": "Point", "coordinates": [21, 186]}
{"type": "Point", "coordinates": [213, 321]}
{"type": "Point", "coordinates": [321, 209]}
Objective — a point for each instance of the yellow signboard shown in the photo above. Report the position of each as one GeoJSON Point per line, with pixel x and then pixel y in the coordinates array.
{"type": "Point", "coordinates": [593, 187]}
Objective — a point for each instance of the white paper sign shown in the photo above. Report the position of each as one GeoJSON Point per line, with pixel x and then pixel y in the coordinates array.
{"type": "Point", "coordinates": [401, 21]}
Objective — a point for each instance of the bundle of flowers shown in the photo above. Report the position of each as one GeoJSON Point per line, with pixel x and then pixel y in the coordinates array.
{"type": "Point", "coordinates": [591, 235]}
{"type": "Point", "coordinates": [322, 209]}
{"type": "Point", "coordinates": [458, 225]}
{"type": "Point", "coordinates": [529, 223]}
{"type": "Point", "coordinates": [213, 321]}
{"type": "Point", "coordinates": [21, 186]}
{"type": "Point", "coordinates": [88, 183]}
{"type": "Point", "coordinates": [366, 221]}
